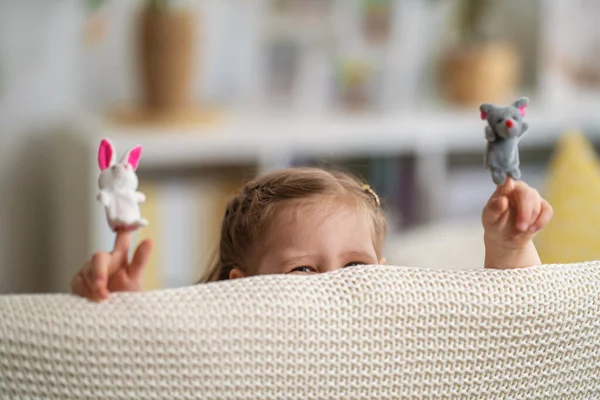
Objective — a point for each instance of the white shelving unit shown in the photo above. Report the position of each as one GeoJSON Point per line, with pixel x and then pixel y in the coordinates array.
{"type": "Point", "coordinates": [267, 138]}
{"type": "Point", "coordinates": [268, 142]}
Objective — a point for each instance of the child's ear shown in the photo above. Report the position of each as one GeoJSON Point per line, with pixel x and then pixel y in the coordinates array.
{"type": "Point", "coordinates": [236, 273]}
{"type": "Point", "coordinates": [382, 261]}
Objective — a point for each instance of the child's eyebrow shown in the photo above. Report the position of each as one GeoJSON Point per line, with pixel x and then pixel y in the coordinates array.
{"type": "Point", "coordinates": [288, 261]}
{"type": "Point", "coordinates": [358, 254]}
{"type": "Point", "coordinates": [288, 258]}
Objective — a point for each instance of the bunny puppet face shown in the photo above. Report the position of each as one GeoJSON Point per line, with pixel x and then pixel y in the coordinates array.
{"type": "Point", "coordinates": [117, 177]}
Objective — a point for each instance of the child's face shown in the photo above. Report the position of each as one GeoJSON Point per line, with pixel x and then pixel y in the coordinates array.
{"type": "Point", "coordinates": [313, 238]}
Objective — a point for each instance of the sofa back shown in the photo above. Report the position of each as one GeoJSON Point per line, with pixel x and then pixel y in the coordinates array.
{"type": "Point", "coordinates": [373, 332]}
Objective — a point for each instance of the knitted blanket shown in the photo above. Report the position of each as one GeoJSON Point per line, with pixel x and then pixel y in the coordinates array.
{"type": "Point", "coordinates": [364, 332]}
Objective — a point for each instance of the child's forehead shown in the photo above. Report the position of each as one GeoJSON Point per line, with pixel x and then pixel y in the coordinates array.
{"type": "Point", "coordinates": [318, 208]}
{"type": "Point", "coordinates": [302, 218]}
{"type": "Point", "coordinates": [310, 228]}
{"type": "Point", "coordinates": [317, 227]}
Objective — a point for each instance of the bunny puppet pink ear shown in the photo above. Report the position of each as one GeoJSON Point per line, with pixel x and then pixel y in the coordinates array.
{"type": "Point", "coordinates": [106, 154]}
{"type": "Point", "coordinates": [522, 109]}
{"type": "Point", "coordinates": [133, 157]}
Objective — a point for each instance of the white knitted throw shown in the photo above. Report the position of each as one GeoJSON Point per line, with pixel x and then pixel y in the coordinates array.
{"type": "Point", "coordinates": [372, 332]}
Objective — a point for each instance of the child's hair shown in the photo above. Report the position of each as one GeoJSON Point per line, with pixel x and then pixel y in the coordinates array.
{"type": "Point", "coordinates": [248, 214]}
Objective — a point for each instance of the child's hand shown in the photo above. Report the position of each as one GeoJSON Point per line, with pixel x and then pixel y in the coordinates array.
{"type": "Point", "coordinates": [511, 218]}
{"type": "Point", "coordinates": [514, 213]}
{"type": "Point", "coordinates": [112, 272]}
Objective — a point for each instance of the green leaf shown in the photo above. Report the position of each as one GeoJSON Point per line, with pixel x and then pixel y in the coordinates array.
{"type": "Point", "coordinates": [158, 4]}
{"type": "Point", "coordinates": [94, 5]}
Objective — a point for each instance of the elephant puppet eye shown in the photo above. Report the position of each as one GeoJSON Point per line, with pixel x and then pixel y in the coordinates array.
{"type": "Point", "coordinates": [499, 121]}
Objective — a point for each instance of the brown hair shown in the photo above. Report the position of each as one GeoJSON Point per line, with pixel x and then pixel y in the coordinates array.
{"type": "Point", "coordinates": [248, 214]}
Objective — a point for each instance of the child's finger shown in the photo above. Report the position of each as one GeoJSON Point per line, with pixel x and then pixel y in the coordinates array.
{"type": "Point", "coordinates": [495, 208]}
{"type": "Point", "coordinates": [140, 259]}
{"type": "Point", "coordinates": [526, 199]}
{"type": "Point", "coordinates": [545, 215]}
{"type": "Point", "coordinates": [506, 188]}
{"type": "Point", "coordinates": [97, 273]}
{"type": "Point", "coordinates": [80, 288]}
{"type": "Point", "coordinates": [122, 241]}
{"type": "Point", "coordinates": [536, 208]}
{"type": "Point", "coordinates": [120, 252]}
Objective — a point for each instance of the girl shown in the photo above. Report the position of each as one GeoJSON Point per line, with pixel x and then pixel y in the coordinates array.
{"type": "Point", "coordinates": [308, 220]}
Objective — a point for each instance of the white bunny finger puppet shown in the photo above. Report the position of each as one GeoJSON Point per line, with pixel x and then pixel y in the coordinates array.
{"type": "Point", "coordinates": [118, 185]}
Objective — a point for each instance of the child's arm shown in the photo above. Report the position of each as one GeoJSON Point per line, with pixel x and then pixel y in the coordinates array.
{"type": "Point", "coordinates": [511, 218]}
{"type": "Point", "coordinates": [498, 257]}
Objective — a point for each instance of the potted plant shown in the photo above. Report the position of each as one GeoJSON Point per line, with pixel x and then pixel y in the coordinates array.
{"type": "Point", "coordinates": [166, 55]}
{"type": "Point", "coordinates": [166, 43]}
{"type": "Point", "coordinates": [377, 20]}
{"type": "Point", "coordinates": [354, 84]}
{"type": "Point", "coordinates": [478, 68]}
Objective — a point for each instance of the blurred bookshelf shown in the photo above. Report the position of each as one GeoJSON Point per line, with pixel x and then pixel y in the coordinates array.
{"type": "Point", "coordinates": [427, 166]}
{"type": "Point", "coordinates": [361, 86]}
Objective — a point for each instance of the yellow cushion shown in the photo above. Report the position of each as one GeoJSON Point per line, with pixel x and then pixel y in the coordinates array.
{"type": "Point", "coordinates": [573, 190]}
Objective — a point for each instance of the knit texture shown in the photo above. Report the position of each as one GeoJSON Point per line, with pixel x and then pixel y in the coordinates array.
{"type": "Point", "coordinates": [363, 332]}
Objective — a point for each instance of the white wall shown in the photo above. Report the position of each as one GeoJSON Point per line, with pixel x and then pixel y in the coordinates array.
{"type": "Point", "coordinates": [39, 84]}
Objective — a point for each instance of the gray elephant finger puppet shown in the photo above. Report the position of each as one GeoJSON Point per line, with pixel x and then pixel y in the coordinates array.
{"type": "Point", "coordinates": [118, 184]}
{"type": "Point", "coordinates": [503, 132]}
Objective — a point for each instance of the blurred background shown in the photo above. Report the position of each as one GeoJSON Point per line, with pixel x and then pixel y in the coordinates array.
{"type": "Point", "coordinates": [218, 90]}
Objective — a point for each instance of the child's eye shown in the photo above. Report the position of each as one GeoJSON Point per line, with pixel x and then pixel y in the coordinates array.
{"type": "Point", "coordinates": [303, 269]}
{"type": "Point", "coordinates": [353, 264]}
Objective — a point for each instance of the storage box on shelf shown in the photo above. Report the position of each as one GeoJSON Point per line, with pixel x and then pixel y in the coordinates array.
{"type": "Point", "coordinates": [259, 142]}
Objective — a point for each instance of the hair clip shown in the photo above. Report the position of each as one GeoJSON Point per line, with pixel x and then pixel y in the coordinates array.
{"type": "Point", "coordinates": [368, 189]}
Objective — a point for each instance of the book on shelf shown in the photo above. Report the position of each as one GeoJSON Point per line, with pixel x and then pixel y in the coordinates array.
{"type": "Point", "coordinates": [179, 210]}
{"type": "Point", "coordinates": [391, 177]}
{"type": "Point", "coordinates": [469, 188]}
{"type": "Point", "coordinates": [184, 217]}
{"type": "Point", "coordinates": [208, 216]}
{"type": "Point", "coordinates": [217, 194]}
{"type": "Point", "coordinates": [150, 210]}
